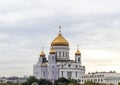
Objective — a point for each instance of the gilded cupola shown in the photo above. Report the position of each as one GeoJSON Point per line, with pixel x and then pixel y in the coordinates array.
{"type": "Point", "coordinates": [59, 40]}
{"type": "Point", "coordinates": [42, 54]}
{"type": "Point", "coordinates": [52, 51]}
{"type": "Point", "coordinates": [77, 53]}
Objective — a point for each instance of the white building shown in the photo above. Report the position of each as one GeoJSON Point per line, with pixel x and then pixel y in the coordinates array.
{"type": "Point", "coordinates": [101, 77]}
{"type": "Point", "coordinates": [58, 63]}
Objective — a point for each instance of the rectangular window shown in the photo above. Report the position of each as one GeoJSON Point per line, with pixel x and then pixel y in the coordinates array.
{"type": "Point", "coordinates": [76, 74]}
{"type": "Point", "coordinates": [44, 73]}
{"type": "Point", "coordinates": [61, 73]}
{"type": "Point", "coordinates": [66, 54]}
{"type": "Point", "coordinates": [59, 54]}
{"type": "Point", "coordinates": [53, 73]}
{"type": "Point", "coordinates": [69, 74]}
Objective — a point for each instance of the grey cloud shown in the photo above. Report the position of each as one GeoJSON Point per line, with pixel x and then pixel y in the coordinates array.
{"type": "Point", "coordinates": [26, 26]}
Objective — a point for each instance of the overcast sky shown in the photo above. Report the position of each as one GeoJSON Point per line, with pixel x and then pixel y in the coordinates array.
{"type": "Point", "coordinates": [28, 25]}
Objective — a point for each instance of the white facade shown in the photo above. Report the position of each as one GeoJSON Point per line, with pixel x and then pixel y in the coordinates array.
{"type": "Point", "coordinates": [58, 63]}
{"type": "Point", "coordinates": [101, 77]}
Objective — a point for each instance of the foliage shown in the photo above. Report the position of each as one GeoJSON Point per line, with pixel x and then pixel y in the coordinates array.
{"type": "Point", "coordinates": [31, 79]}
{"type": "Point", "coordinates": [8, 83]}
{"type": "Point", "coordinates": [61, 81]}
{"type": "Point", "coordinates": [44, 82]}
{"type": "Point", "coordinates": [34, 81]}
{"type": "Point", "coordinates": [90, 83]}
{"type": "Point", "coordinates": [64, 81]}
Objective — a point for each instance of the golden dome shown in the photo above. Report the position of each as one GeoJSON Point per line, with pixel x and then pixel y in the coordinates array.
{"type": "Point", "coordinates": [78, 53]}
{"type": "Point", "coordinates": [52, 51]}
{"type": "Point", "coordinates": [59, 40]}
{"type": "Point", "coordinates": [42, 54]}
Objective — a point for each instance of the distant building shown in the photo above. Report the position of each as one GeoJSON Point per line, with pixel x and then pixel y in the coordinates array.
{"type": "Point", "coordinates": [13, 79]}
{"type": "Point", "coordinates": [58, 63]}
{"type": "Point", "coordinates": [101, 77]}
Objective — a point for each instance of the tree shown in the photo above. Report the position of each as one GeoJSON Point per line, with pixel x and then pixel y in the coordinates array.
{"type": "Point", "coordinates": [34, 81]}
{"type": "Point", "coordinates": [24, 83]}
{"type": "Point", "coordinates": [44, 82]}
{"type": "Point", "coordinates": [90, 83]}
{"type": "Point", "coordinates": [31, 79]}
{"type": "Point", "coordinates": [73, 82]}
{"type": "Point", "coordinates": [64, 81]}
{"type": "Point", "coordinates": [119, 83]}
{"type": "Point", "coordinates": [61, 81]}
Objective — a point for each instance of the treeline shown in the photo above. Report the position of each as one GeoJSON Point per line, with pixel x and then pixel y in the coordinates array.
{"type": "Point", "coordinates": [61, 81]}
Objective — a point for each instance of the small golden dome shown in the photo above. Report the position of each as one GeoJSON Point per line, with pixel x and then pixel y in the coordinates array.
{"type": "Point", "coordinates": [52, 51]}
{"type": "Point", "coordinates": [77, 53]}
{"type": "Point", "coordinates": [59, 40]}
{"type": "Point", "coordinates": [42, 54]}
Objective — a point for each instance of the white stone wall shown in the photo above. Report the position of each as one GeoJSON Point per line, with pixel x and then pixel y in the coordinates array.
{"type": "Point", "coordinates": [75, 70]}
{"type": "Point", "coordinates": [52, 67]}
{"type": "Point", "coordinates": [37, 71]}
{"type": "Point", "coordinates": [40, 72]}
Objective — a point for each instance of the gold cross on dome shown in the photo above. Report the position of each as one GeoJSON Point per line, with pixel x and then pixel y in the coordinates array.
{"type": "Point", "coordinates": [77, 47]}
{"type": "Point", "coordinates": [60, 29]}
{"type": "Point", "coordinates": [42, 49]}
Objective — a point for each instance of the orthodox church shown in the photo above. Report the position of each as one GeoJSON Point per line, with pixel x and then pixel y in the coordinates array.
{"type": "Point", "coordinates": [58, 63]}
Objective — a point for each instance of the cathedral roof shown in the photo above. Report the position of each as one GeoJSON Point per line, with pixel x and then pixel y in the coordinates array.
{"type": "Point", "coordinates": [59, 40]}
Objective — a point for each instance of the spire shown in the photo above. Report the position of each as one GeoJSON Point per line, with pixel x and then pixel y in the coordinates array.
{"type": "Point", "coordinates": [42, 49]}
{"type": "Point", "coordinates": [77, 47]}
{"type": "Point", "coordinates": [59, 29]}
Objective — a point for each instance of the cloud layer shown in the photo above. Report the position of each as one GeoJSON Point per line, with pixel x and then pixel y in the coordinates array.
{"type": "Point", "coordinates": [27, 25]}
